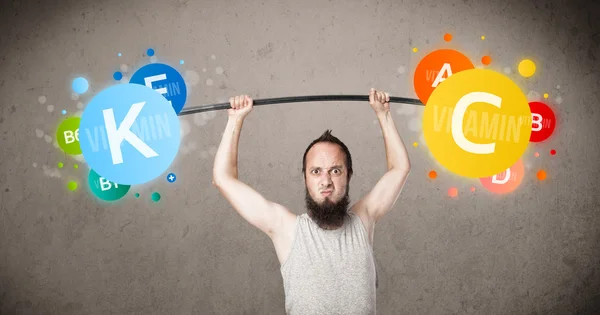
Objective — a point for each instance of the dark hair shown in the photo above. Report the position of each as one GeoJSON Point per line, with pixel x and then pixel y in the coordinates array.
{"type": "Point", "coordinates": [328, 137]}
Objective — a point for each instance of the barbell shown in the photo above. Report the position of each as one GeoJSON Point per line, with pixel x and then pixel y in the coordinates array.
{"type": "Point", "coordinates": [297, 99]}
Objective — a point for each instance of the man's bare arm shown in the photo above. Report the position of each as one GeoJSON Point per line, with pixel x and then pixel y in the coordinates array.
{"type": "Point", "coordinates": [252, 206]}
{"type": "Point", "coordinates": [387, 190]}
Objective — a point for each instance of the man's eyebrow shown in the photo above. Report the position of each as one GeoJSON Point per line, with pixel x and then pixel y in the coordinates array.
{"type": "Point", "coordinates": [318, 167]}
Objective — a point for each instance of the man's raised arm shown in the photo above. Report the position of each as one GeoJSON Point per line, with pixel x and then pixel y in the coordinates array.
{"type": "Point", "coordinates": [252, 206]}
{"type": "Point", "coordinates": [387, 190]}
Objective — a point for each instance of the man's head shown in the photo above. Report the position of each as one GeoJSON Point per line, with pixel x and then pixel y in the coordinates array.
{"type": "Point", "coordinates": [327, 169]}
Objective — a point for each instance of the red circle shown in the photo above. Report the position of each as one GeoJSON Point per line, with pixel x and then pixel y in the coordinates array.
{"type": "Point", "coordinates": [486, 60]}
{"type": "Point", "coordinates": [552, 152]}
{"type": "Point", "coordinates": [543, 121]}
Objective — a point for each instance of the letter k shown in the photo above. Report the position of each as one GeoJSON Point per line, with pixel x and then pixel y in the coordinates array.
{"type": "Point", "coordinates": [116, 136]}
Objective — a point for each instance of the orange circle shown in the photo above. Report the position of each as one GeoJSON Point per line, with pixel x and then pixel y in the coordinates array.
{"type": "Point", "coordinates": [453, 192]}
{"type": "Point", "coordinates": [541, 174]}
{"type": "Point", "coordinates": [432, 174]}
{"type": "Point", "coordinates": [430, 66]}
{"type": "Point", "coordinates": [486, 60]}
{"type": "Point", "coordinates": [447, 37]}
{"type": "Point", "coordinates": [506, 181]}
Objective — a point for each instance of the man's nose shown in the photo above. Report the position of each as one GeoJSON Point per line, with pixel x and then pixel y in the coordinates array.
{"type": "Point", "coordinates": [326, 180]}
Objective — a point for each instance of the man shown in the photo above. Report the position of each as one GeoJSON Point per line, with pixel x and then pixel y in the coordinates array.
{"type": "Point", "coordinates": [326, 254]}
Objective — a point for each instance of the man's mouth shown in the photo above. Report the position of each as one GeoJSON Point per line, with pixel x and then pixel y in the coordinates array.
{"type": "Point", "coordinates": [326, 193]}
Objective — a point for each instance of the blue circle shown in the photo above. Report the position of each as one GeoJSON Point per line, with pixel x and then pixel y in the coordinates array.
{"type": "Point", "coordinates": [148, 144]}
{"type": "Point", "coordinates": [117, 75]}
{"type": "Point", "coordinates": [181, 61]}
{"type": "Point", "coordinates": [64, 111]}
{"type": "Point", "coordinates": [150, 52]}
{"type": "Point", "coordinates": [119, 54]}
{"type": "Point", "coordinates": [80, 85]}
{"type": "Point", "coordinates": [171, 177]}
{"type": "Point", "coordinates": [165, 80]}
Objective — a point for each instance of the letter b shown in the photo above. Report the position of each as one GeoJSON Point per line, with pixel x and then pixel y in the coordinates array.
{"type": "Point", "coordinates": [537, 122]}
{"type": "Point", "coordinates": [69, 138]}
{"type": "Point", "coordinates": [106, 185]}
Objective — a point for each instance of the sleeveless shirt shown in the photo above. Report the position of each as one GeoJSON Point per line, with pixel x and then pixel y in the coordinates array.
{"type": "Point", "coordinates": [330, 271]}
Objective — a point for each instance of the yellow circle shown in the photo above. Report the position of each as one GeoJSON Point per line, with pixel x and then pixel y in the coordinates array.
{"type": "Point", "coordinates": [545, 95]}
{"type": "Point", "coordinates": [415, 49]}
{"type": "Point", "coordinates": [526, 68]}
{"type": "Point", "coordinates": [482, 37]}
{"type": "Point", "coordinates": [492, 138]}
{"type": "Point", "coordinates": [415, 144]}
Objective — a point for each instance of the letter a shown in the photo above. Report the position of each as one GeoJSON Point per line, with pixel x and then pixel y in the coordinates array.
{"type": "Point", "coordinates": [445, 68]}
{"type": "Point", "coordinates": [116, 136]}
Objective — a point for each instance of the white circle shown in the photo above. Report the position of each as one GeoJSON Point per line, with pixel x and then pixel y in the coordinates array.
{"type": "Point", "coordinates": [533, 96]}
{"type": "Point", "coordinates": [507, 70]}
{"type": "Point", "coordinates": [559, 100]}
{"type": "Point", "coordinates": [39, 133]}
{"type": "Point", "coordinates": [558, 87]}
{"type": "Point", "coordinates": [184, 128]}
{"type": "Point", "coordinates": [153, 59]}
{"type": "Point", "coordinates": [124, 68]}
{"type": "Point", "coordinates": [192, 77]}
{"type": "Point", "coordinates": [219, 70]}
{"type": "Point", "coordinates": [50, 108]}
{"type": "Point", "coordinates": [199, 120]}
{"type": "Point", "coordinates": [48, 138]}
{"type": "Point", "coordinates": [414, 124]}
{"type": "Point", "coordinates": [74, 96]}
{"type": "Point", "coordinates": [213, 57]}
{"type": "Point", "coordinates": [209, 82]}
{"type": "Point", "coordinates": [401, 69]}
{"type": "Point", "coordinates": [422, 140]}
{"type": "Point", "coordinates": [42, 99]}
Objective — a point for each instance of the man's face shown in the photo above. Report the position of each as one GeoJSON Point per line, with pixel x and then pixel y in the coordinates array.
{"type": "Point", "coordinates": [326, 184]}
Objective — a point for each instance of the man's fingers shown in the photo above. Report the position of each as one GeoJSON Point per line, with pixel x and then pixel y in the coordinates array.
{"type": "Point", "coordinates": [387, 97]}
{"type": "Point", "coordinates": [372, 95]}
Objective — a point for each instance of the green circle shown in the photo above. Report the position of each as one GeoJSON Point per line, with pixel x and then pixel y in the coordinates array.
{"type": "Point", "coordinates": [105, 189]}
{"type": "Point", "coordinates": [155, 196]}
{"type": "Point", "coordinates": [137, 195]}
{"type": "Point", "coordinates": [60, 165]}
{"type": "Point", "coordinates": [72, 185]}
{"type": "Point", "coordinates": [75, 166]}
{"type": "Point", "coordinates": [67, 135]}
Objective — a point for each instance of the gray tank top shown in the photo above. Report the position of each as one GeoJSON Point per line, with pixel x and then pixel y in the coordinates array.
{"type": "Point", "coordinates": [330, 271]}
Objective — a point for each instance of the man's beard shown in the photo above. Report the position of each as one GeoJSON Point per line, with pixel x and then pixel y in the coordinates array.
{"type": "Point", "coordinates": [329, 214]}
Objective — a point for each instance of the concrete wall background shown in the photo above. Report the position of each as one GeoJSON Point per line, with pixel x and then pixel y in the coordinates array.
{"type": "Point", "coordinates": [534, 251]}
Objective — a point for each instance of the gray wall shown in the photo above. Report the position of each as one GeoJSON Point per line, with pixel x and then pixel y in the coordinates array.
{"type": "Point", "coordinates": [534, 251]}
